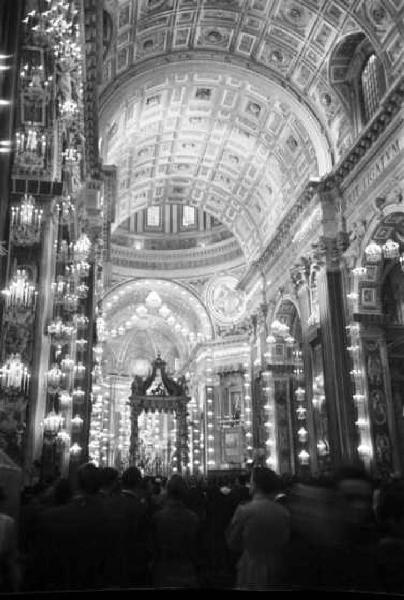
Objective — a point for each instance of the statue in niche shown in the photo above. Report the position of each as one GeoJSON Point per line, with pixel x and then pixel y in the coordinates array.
{"type": "Point", "coordinates": [314, 303]}
{"type": "Point", "coordinates": [383, 448]}
{"type": "Point", "coordinates": [393, 296]}
{"type": "Point", "coordinates": [356, 236]}
{"type": "Point", "coordinates": [378, 407]}
{"type": "Point", "coordinates": [374, 368]}
{"type": "Point", "coordinates": [137, 386]}
{"type": "Point", "coordinates": [64, 80]}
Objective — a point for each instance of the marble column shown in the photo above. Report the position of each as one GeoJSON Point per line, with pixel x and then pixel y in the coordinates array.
{"type": "Point", "coordinates": [338, 388]}
{"type": "Point", "coordinates": [41, 347]}
{"type": "Point", "coordinates": [300, 279]}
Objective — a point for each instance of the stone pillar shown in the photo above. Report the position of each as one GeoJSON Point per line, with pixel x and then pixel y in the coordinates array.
{"type": "Point", "coordinates": [338, 391]}
{"type": "Point", "coordinates": [182, 437]}
{"type": "Point", "coordinates": [134, 434]}
{"type": "Point", "coordinates": [300, 278]}
{"type": "Point", "coordinates": [37, 409]}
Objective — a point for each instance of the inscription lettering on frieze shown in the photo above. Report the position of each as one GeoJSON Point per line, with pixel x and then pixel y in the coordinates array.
{"type": "Point", "coordinates": [375, 170]}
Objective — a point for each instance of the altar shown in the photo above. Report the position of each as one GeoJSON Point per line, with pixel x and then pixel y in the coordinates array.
{"type": "Point", "coordinates": [159, 433]}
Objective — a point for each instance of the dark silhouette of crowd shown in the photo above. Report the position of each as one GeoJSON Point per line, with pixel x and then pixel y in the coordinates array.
{"type": "Point", "coordinates": [255, 531]}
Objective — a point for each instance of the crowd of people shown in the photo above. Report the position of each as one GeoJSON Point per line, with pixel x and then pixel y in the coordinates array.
{"type": "Point", "coordinates": [257, 531]}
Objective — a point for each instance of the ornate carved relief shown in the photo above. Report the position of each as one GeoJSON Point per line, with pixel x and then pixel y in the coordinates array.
{"type": "Point", "coordinates": [378, 408]}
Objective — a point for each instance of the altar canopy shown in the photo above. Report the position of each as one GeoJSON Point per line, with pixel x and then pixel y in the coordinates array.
{"type": "Point", "coordinates": [159, 443]}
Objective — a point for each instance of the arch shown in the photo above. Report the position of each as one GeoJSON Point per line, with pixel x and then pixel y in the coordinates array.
{"type": "Point", "coordinates": [281, 304]}
{"type": "Point", "coordinates": [120, 288]}
{"type": "Point", "coordinates": [381, 227]}
{"type": "Point", "coordinates": [346, 66]}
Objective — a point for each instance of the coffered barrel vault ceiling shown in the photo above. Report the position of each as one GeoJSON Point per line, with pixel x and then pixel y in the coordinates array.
{"type": "Point", "coordinates": [232, 143]}
{"type": "Point", "coordinates": [228, 105]}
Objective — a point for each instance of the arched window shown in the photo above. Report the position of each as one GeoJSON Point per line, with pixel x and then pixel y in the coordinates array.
{"type": "Point", "coordinates": [153, 216]}
{"type": "Point", "coordinates": [358, 76]}
{"type": "Point", "coordinates": [372, 86]}
{"type": "Point", "coordinates": [188, 216]}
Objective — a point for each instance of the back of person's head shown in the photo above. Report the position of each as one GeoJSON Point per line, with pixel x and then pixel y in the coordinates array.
{"type": "Point", "coordinates": [88, 478]}
{"type": "Point", "coordinates": [349, 471]}
{"type": "Point", "coordinates": [156, 487]}
{"type": "Point", "coordinates": [266, 480]}
{"type": "Point", "coordinates": [176, 488]}
{"type": "Point", "coordinates": [354, 491]}
{"type": "Point", "coordinates": [131, 478]}
{"type": "Point", "coordinates": [392, 503]}
{"type": "Point", "coordinates": [109, 478]}
{"type": "Point", "coordinates": [243, 479]}
{"type": "Point", "coordinates": [62, 492]}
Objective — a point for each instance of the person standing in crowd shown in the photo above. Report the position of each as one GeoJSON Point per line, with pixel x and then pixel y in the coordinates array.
{"type": "Point", "coordinates": [260, 531]}
{"type": "Point", "coordinates": [109, 482]}
{"type": "Point", "coordinates": [75, 539]}
{"type": "Point", "coordinates": [10, 572]}
{"type": "Point", "coordinates": [390, 549]}
{"type": "Point", "coordinates": [129, 511]}
{"type": "Point", "coordinates": [351, 561]}
{"type": "Point", "coordinates": [174, 539]}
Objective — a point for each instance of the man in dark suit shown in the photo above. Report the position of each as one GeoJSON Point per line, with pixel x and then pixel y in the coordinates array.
{"type": "Point", "coordinates": [74, 539]}
{"type": "Point", "coordinates": [129, 512]}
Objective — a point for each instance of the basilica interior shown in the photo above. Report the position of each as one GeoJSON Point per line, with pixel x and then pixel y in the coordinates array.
{"type": "Point", "coordinates": [202, 225]}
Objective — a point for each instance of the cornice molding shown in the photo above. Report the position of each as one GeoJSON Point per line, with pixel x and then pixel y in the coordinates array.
{"type": "Point", "coordinates": [389, 108]}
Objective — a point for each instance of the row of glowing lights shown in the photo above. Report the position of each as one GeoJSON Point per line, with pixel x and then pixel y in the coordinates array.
{"type": "Point", "coordinates": [56, 22]}
{"type": "Point", "coordinates": [362, 423]}
{"type": "Point", "coordinates": [209, 411]}
{"type": "Point", "coordinates": [69, 372]}
{"type": "Point", "coordinates": [5, 145]}
{"type": "Point", "coordinates": [247, 409]}
{"type": "Point", "coordinates": [282, 330]}
{"type": "Point", "coordinates": [195, 435]}
{"type": "Point", "coordinates": [77, 421]}
{"type": "Point", "coordinates": [302, 432]}
{"type": "Point", "coordinates": [63, 38]}
{"type": "Point", "coordinates": [269, 407]}
{"type": "Point", "coordinates": [374, 255]}
{"type": "Point", "coordinates": [100, 435]}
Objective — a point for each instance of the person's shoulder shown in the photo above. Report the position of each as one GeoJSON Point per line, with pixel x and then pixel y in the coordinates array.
{"type": "Point", "coordinates": [6, 519]}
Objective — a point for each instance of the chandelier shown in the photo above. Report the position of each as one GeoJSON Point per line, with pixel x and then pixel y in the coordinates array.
{"type": "Point", "coordinates": [82, 290]}
{"type": "Point", "coordinates": [26, 221]}
{"type": "Point", "coordinates": [63, 437]}
{"type": "Point", "coordinates": [390, 250]}
{"type": "Point", "coordinates": [70, 302]}
{"type": "Point", "coordinates": [52, 423]}
{"type": "Point", "coordinates": [67, 363]}
{"type": "Point", "coordinates": [14, 374]}
{"type": "Point", "coordinates": [58, 329]}
{"type": "Point", "coordinates": [54, 376]}
{"type": "Point", "coordinates": [279, 328]}
{"type": "Point", "coordinates": [82, 248]}
{"type": "Point", "coordinates": [20, 293]}
{"type": "Point", "coordinates": [66, 210]}
{"type": "Point", "coordinates": [79, 370]}
{"type": "Point", "coordinates": [65, 399]}
{"type": "Point", "coordinates": [75, 450]}
{"type": "Point", "coordinates": [81, 321]}
{"type": "Point", "coordinates": [77, 421]}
